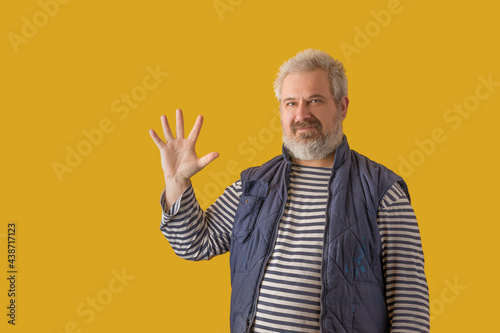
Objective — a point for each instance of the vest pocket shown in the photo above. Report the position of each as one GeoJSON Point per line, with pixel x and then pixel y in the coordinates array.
{"type": "Point", "coordinates": [370, 313]}
{"type": "Point", "coordinates": [251, 200]}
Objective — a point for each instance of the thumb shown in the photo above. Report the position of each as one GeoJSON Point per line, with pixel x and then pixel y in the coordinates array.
{"type": "Point", "coordinates": [207, 159]}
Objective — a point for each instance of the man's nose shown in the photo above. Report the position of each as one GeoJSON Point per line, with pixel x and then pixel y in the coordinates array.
{"type": "Point", "coordinates": [303, 111]}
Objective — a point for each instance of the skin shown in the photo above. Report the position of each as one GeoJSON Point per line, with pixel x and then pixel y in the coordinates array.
{"type": "Point", "coordinates": [306, 100]}
{"type": "Point", "coordinates": [179, 160]}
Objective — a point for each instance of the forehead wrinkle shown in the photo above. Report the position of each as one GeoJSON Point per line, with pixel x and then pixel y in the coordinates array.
{"type": "Point", "coordinates": [317, 95]}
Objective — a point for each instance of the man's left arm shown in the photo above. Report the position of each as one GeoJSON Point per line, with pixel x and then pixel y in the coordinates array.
{"type": "Point", "coordinates": [407, 294]}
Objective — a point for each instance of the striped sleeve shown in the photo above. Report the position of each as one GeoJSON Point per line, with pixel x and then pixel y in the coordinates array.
{"type": "Point", "coordinates": [195, 234]}
{"type": "Point", "coordinates": [407, 293]}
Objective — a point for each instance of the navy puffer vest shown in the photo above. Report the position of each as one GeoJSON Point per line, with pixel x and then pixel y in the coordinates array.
{"type": "Point", "coordinates": [353, 292]}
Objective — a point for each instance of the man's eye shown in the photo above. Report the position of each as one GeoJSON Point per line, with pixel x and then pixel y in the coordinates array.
{"type": "Point", "coordinates": [315, 100]}
{"type": "Point", "coordinates": [290, 103]}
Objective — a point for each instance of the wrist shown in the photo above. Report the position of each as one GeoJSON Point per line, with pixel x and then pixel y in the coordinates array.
{"type": "Point", "coordinates": [174, 187]}
{"type": "Point", "coordinates": [177, 182]}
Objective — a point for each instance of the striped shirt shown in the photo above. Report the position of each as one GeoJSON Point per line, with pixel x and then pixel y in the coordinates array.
{"type": "Point", "coordinates": [291, 286]}
{"type": "Point", "coordinates": [290, 290]}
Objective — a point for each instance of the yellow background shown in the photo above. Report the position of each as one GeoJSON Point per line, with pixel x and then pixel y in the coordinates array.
{"type": "Point", "coordinates": [104, 216]}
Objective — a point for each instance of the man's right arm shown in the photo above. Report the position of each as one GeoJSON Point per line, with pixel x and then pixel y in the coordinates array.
{"type": "Point", "coordinates": [193, 234]}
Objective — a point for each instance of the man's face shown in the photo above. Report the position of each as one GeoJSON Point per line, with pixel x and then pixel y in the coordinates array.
{"type": "Point", "coordinates": [312, 122]}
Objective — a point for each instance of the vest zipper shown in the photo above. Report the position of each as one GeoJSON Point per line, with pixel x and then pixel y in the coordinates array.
{"type": "Point", "coordinates": [325, 233]}
{"type": "Point", "coordinates": [251, 319]}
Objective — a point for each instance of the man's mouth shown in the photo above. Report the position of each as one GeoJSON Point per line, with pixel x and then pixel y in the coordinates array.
{"type": "Point", "coordinates": [306, 129]}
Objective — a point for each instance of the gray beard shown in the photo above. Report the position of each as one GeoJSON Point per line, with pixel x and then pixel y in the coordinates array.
{"type": "Point", "coordinates": [314, 149]}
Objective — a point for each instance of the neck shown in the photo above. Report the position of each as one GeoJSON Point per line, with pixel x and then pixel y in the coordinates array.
{"type": "Point", "coordinates": [323, 163]}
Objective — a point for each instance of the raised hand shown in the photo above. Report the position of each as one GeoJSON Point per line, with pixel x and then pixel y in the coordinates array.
{"type": "Point", "coordinates": [178, 156]}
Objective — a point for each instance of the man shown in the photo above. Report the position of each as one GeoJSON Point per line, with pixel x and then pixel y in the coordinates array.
{"type": "Point", "coordinates": [321, 238]}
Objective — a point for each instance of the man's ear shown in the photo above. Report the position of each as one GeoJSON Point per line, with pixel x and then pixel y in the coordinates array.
{"type": "Point", "coordinates": [344, 102]}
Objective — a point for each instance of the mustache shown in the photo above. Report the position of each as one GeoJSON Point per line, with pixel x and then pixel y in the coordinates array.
{"type": "Point", "coordinates": [312, 122]}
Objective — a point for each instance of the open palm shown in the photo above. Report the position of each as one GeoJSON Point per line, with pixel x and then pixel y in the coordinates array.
{"type": "Point", "coordinates": [178, 156]}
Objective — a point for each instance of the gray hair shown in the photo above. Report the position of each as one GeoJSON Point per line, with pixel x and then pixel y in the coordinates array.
{"type": "Point", "coordinates": [309, 60]}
